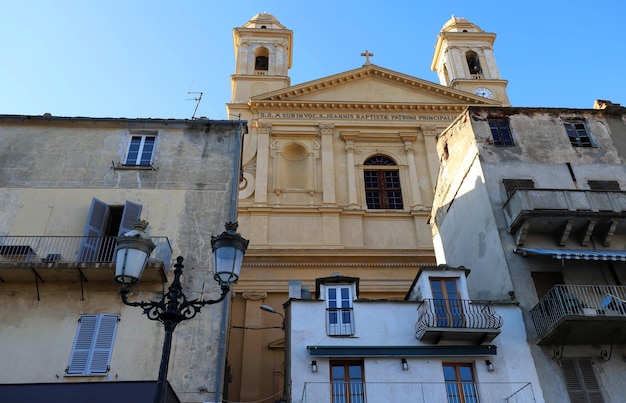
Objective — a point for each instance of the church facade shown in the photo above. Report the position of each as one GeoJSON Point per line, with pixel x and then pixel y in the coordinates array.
{"type": "Point", "coordinates": [338, 179]}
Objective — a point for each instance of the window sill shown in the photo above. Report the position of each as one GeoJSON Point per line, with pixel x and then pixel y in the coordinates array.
{"type": "Point", "coordinates": [85, 375]}
{"type": "Point", "coordinates": [124, 167]}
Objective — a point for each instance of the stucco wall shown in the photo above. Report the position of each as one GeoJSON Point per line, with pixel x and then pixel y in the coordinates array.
{"type": "Point", "coordinates": [50, 169]}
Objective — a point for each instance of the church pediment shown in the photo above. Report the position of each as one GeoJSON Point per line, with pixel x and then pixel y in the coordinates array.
{"type": "Point", "coordinates": [370, 84]}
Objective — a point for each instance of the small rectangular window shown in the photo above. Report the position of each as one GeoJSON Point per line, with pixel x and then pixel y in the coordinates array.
{"type": "Point", "coordinates": [501, 132]}
{"type": "Point", "coordinates": [511, 184]}
{"type": "Point", "coordinates": [140, 150]}
{"type": "Point", "coordinates": [603, 185]}
{"type": "Point", "coordinates": [93, 345]}
{"type": "Point", "coordinates": [339, 315]}
{"type": "Point", "coordinates": [578, 134]}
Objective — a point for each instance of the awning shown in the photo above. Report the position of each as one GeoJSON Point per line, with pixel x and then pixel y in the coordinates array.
{"type": "Point", "coordinates": [576, 254]}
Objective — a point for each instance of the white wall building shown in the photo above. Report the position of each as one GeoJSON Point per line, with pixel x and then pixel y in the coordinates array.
{"type": "Point", "coordinates": [436, 345]}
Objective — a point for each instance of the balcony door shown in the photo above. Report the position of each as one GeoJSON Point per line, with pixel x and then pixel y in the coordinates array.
{"type": "Point", "coordinates": [460, 383]}
{"type": "Point", "coordinates": [347, 382]}
{"type": "Point", "coordinates": [106, 221]}
{"type": "Point", "coordinates": [447, 302]}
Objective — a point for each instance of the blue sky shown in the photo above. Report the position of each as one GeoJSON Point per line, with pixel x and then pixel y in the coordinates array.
{"type": "Point", "coordinates": [139, 59]}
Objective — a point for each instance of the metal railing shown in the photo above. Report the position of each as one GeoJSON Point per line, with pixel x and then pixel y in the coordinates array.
{"type": "Point", "coordinates": [339, 321]}
{"type": "Point", "coordinates": [578, 300]}
{"type": "Point", "coordinates": [71, 249]}
{"type": "Point", "coordinates": [416, 392]}
{"type": "Point", "coordinates": [455, 313]}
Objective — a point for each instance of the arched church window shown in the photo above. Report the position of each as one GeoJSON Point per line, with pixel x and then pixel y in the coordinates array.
{"type": "Point", "coordinates": [382, 183]}
{"type": "Point", "coordinates": [473, 62]}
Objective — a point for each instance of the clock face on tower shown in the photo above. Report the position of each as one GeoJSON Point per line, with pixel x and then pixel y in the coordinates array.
{"type": "Point", "coordinates": [483, 92]}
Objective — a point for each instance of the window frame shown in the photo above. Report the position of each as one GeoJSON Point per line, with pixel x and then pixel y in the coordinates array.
{"type": "Point", "coordinates": [381, 197]}
{"type": "Point", "coordinates": [93, 345]}
{"type": "Point", "coordinates": [447, 302]}
{"type": "Point", "coordinates": [577, 131]}
{"type": "Point", "coordinates": [141, 153]}
{"type": "Point", "coordinates": [347, 383]}
{"type": "Point", "coordinates": [459, 384]}
{"type": "Point", "coordinates": [501, 134]}
{"type": "Point", "coordinates": [339, 310]}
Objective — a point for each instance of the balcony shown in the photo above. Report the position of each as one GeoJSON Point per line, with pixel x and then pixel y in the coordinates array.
{"type": "Point", "coordinates": [72, 258]}
{"type": "Point", "coordinates": [581, 314]}
{"type": "Point", "coordinates": [566, 212]}
{"type": "Point", "coordinates": [456, 320]}
{"type": "Point", "coordinates": [419, 392]}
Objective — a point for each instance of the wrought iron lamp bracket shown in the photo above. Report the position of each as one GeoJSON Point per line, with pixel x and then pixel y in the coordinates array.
{"type": "Point", "coordinates": [174, 307]}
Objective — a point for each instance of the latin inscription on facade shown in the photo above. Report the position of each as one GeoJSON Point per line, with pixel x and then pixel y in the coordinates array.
{"type": "Point", "coordinates": [356, 116]}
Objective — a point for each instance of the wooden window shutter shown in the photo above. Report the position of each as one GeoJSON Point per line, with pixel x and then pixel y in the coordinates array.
{"type": "Point", "coordinates": [97, 221]}
{"type": "Point", "coordinates": [130, 215]}
{"type": "Point", "coordinates": [580, 380]}
{"type": "Point", "coordinates": [93, 345]}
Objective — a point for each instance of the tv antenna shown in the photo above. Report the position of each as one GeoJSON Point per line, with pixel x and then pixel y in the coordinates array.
{"type": "Point", "coordinates": [197, 99]}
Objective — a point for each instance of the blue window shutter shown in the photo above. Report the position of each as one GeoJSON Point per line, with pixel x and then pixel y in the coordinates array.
{"type": "Point", "coordinates": [97, 221]}
{"type": "Point", "coordinates": [103, 344]}
{"type": "Point", "coordinates": [130, 215]}
{"type": "Point", "coordinates": [82, 344]}
{"type": "Point", "coordinates": [93, 345]}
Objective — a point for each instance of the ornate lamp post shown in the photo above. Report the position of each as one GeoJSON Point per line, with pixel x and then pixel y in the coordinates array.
{"type": "Point", "coordinates": [133, 249]}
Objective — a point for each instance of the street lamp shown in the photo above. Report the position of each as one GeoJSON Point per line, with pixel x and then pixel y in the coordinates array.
{"type": "Point", "coordinates": [133, 250]}
{"type": "Point", "coordinates": [271, 309]}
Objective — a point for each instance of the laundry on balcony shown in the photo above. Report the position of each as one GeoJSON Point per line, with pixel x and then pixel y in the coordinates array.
{"type": "Point", "coordinates": [613, 302]}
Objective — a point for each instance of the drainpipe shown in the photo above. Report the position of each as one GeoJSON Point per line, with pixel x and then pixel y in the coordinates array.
{"type": "Point", "coordinates": [221, 351]}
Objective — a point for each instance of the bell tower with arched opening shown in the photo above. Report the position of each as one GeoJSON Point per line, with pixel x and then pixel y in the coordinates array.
{"type": "Point", "coordinates": [262, 57]}
{"type": "Point", "coordinates": [464, 60]}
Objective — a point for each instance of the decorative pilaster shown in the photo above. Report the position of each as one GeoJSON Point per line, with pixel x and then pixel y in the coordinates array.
{"type": "Point", "coordinates": [352, 199]}
{"type": "Point", "coordinates": [414, 179]}
{"type": "Point", "coordinates": [430, 141]}
{"type": "Point", "coordinates": [328, 164]}
{"type": "Point", "coordinates": [262, 165]}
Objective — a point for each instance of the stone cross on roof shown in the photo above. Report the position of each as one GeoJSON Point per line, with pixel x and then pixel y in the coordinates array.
{"type": "Point", "coordinates": [367, 55]}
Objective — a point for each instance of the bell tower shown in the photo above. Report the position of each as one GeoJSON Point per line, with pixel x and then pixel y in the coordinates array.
{"type": "Point", "coordinates": [262, 58]}
{"type": "Point", "coordinates": [464, 60]}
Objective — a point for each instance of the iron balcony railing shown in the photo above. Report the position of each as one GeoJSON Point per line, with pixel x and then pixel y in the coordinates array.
{"type": "Point", "coordinates": [416, 392]}
{"type": "Point", "coordinates": [455, 313]}
{"type": "Point", "coordinates": [71, 249]}
{"type": "Point", "coordinates": [578, 300]}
